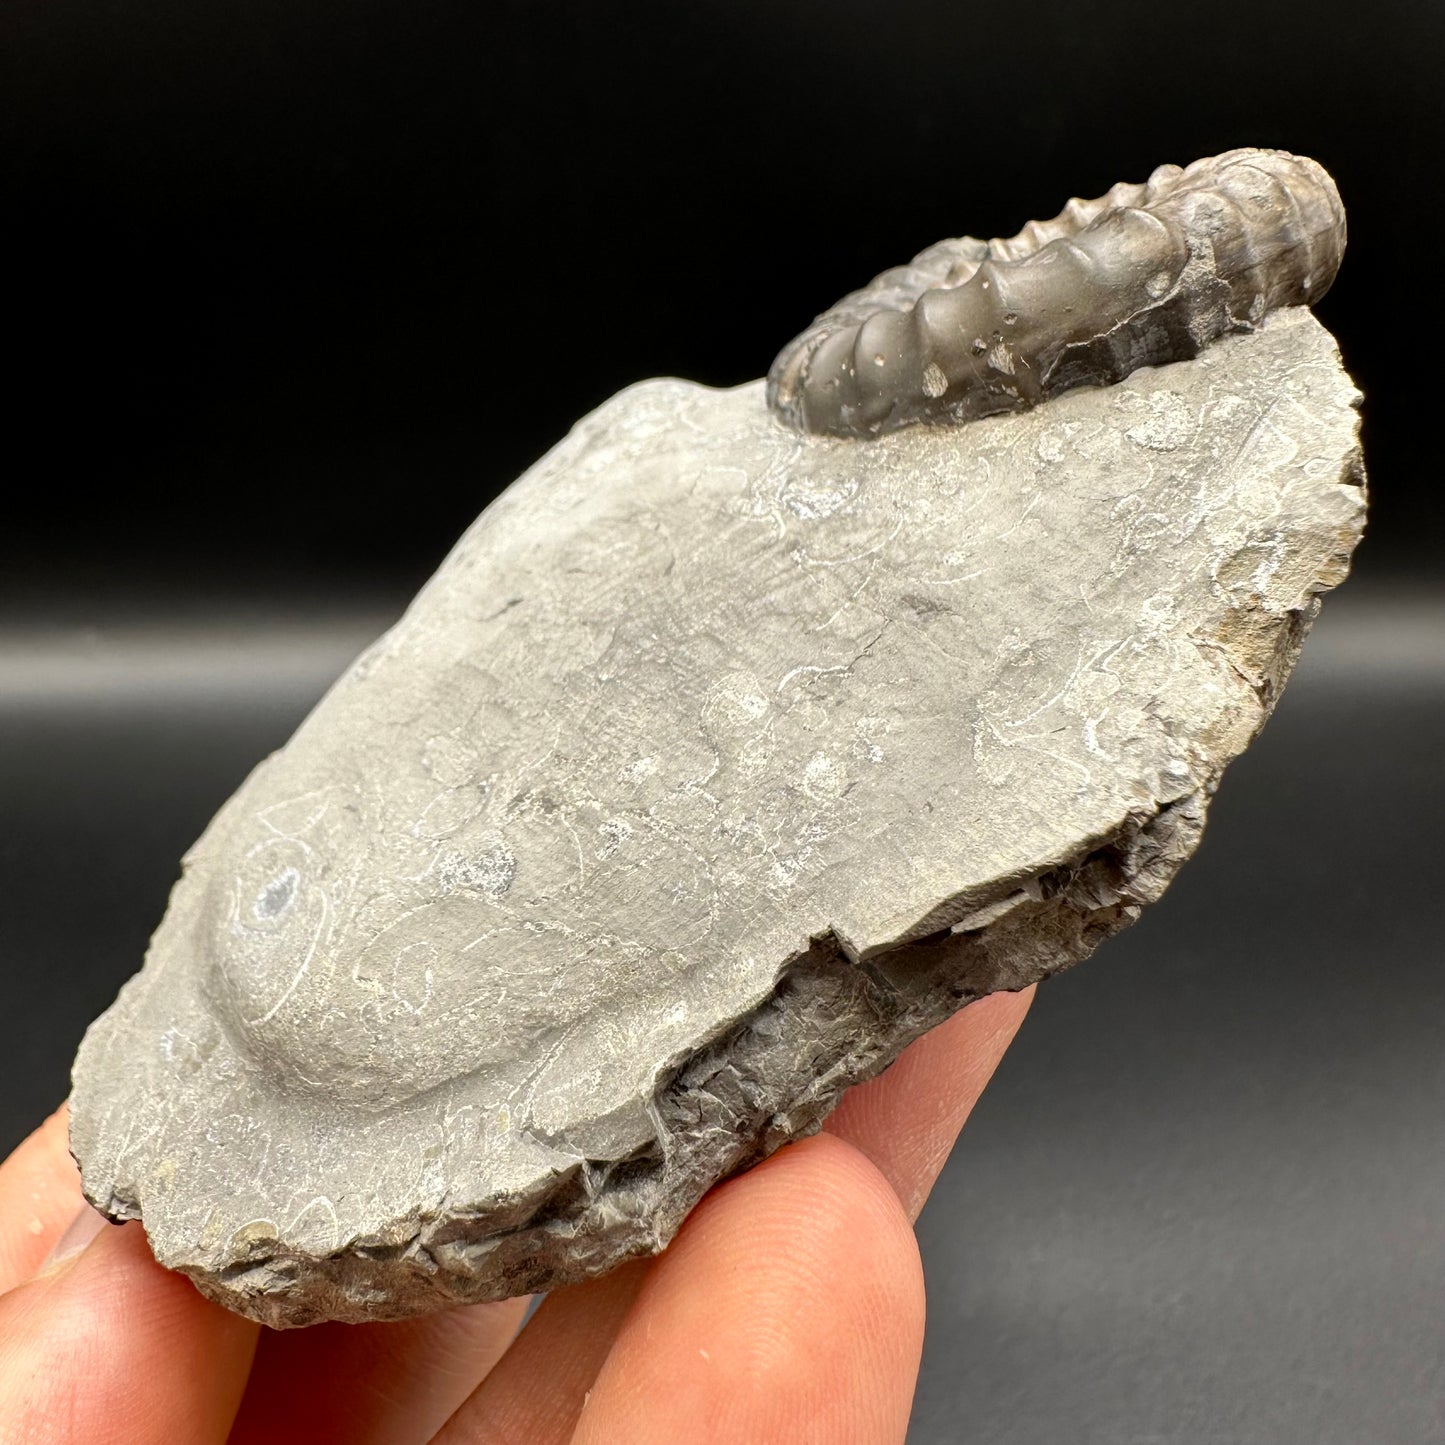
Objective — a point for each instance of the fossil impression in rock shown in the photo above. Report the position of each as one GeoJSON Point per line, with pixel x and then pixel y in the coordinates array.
{"type": "Point", "coordinates": [724, 756]}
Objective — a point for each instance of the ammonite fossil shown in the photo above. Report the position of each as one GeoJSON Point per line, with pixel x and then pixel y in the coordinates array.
{"type": "Point", "coordinates": [720, 760]}
{"type": "Point", "coordinates": [1147, 274]}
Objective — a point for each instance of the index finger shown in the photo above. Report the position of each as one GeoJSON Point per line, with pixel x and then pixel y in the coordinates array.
{"type": "Point", "coordinates": [39, 1197]}
{"type": "Point", "coordinates": [907, 1119]}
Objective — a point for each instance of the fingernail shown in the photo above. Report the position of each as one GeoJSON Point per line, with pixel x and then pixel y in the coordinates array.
{"type": "Point", "coordinates": [78, 1233]}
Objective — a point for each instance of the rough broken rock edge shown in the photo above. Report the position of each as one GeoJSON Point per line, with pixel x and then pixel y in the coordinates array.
{"type": "Point", "coordinates": [752, 1088]}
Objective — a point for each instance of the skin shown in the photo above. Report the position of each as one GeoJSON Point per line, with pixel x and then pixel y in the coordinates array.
{"type": "Point", "coordinates": [788, 1309]}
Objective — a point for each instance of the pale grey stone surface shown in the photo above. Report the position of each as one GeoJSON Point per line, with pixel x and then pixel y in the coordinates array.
{"type": "Point", "coordinates": [714, 765]}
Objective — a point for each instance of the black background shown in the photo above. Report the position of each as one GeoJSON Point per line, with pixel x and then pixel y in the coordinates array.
{"type": "Point", "coordinates": [294, 289]}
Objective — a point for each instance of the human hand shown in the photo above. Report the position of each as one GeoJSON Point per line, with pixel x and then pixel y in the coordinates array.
{"type": "Point", "coordinates": [788, 1308]}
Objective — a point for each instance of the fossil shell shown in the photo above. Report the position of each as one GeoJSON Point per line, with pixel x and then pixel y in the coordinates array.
{"type": "Point", "coordinates": [716, 763]}
{"type": "Point", "coordinates": [1147, 274]}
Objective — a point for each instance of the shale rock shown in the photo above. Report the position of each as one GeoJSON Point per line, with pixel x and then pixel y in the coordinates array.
{"type": "Point", "coordinates": [715, 764]}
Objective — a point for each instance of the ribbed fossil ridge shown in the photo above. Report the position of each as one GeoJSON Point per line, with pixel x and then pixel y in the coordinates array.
{"type": "Point", "coordinates": [1145, 275]}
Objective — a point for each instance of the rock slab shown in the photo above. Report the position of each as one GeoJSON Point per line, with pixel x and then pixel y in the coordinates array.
{"type": "Point", "coordinates": [715, 765]}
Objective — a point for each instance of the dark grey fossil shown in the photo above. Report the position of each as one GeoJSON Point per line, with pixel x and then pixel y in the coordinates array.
{"type": "Point", "coordinates": [718, 761]}
{"type": "Point", "coordinates": [1145, 275]}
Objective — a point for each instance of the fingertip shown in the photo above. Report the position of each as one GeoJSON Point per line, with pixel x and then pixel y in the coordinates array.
{"type": "Point", "coordinates": [907, 1120]}
{"type": "Point", "coordinates": [404, 1378]}
{"type": "Point", "coordinates": [75, 1239]}
{"type": "Point", "coordinates": [107, 1346]}
{"type": "Point", "coordinates": [789, 1308]}
{"type": "Point", "coordinates": [536, 1393]}
{"type": "Point", "coordinates": [39, 1197]}
{"type": "Point", "coordinates": [800, 1206]}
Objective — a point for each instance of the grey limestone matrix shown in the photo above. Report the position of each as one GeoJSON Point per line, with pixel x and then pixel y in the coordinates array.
{"type": "Point", "coordinates": [747, 736]}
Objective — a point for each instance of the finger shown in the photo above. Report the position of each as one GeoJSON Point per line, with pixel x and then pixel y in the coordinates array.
{"type": "Point", "coordinates": [908, 1118]}
{"type": "Point", "coordinates": [535, 1394]}
{"type": "Point", "coordinates": [382, 1384]}
{"type": "Point", "coordinates": [906, 1122]}
{"type": "Point", "coordinates": [788, 1309]}
{"type": "Point", "coordinates": [39, 1196]}
{"type": "Point", "coordinates": [110, 1349]}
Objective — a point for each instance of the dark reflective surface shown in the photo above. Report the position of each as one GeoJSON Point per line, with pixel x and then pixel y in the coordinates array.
{"type": "Point", "coordinates": [1203, 1199]}
{"type": "Point", "coordinates": [296, 288]}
